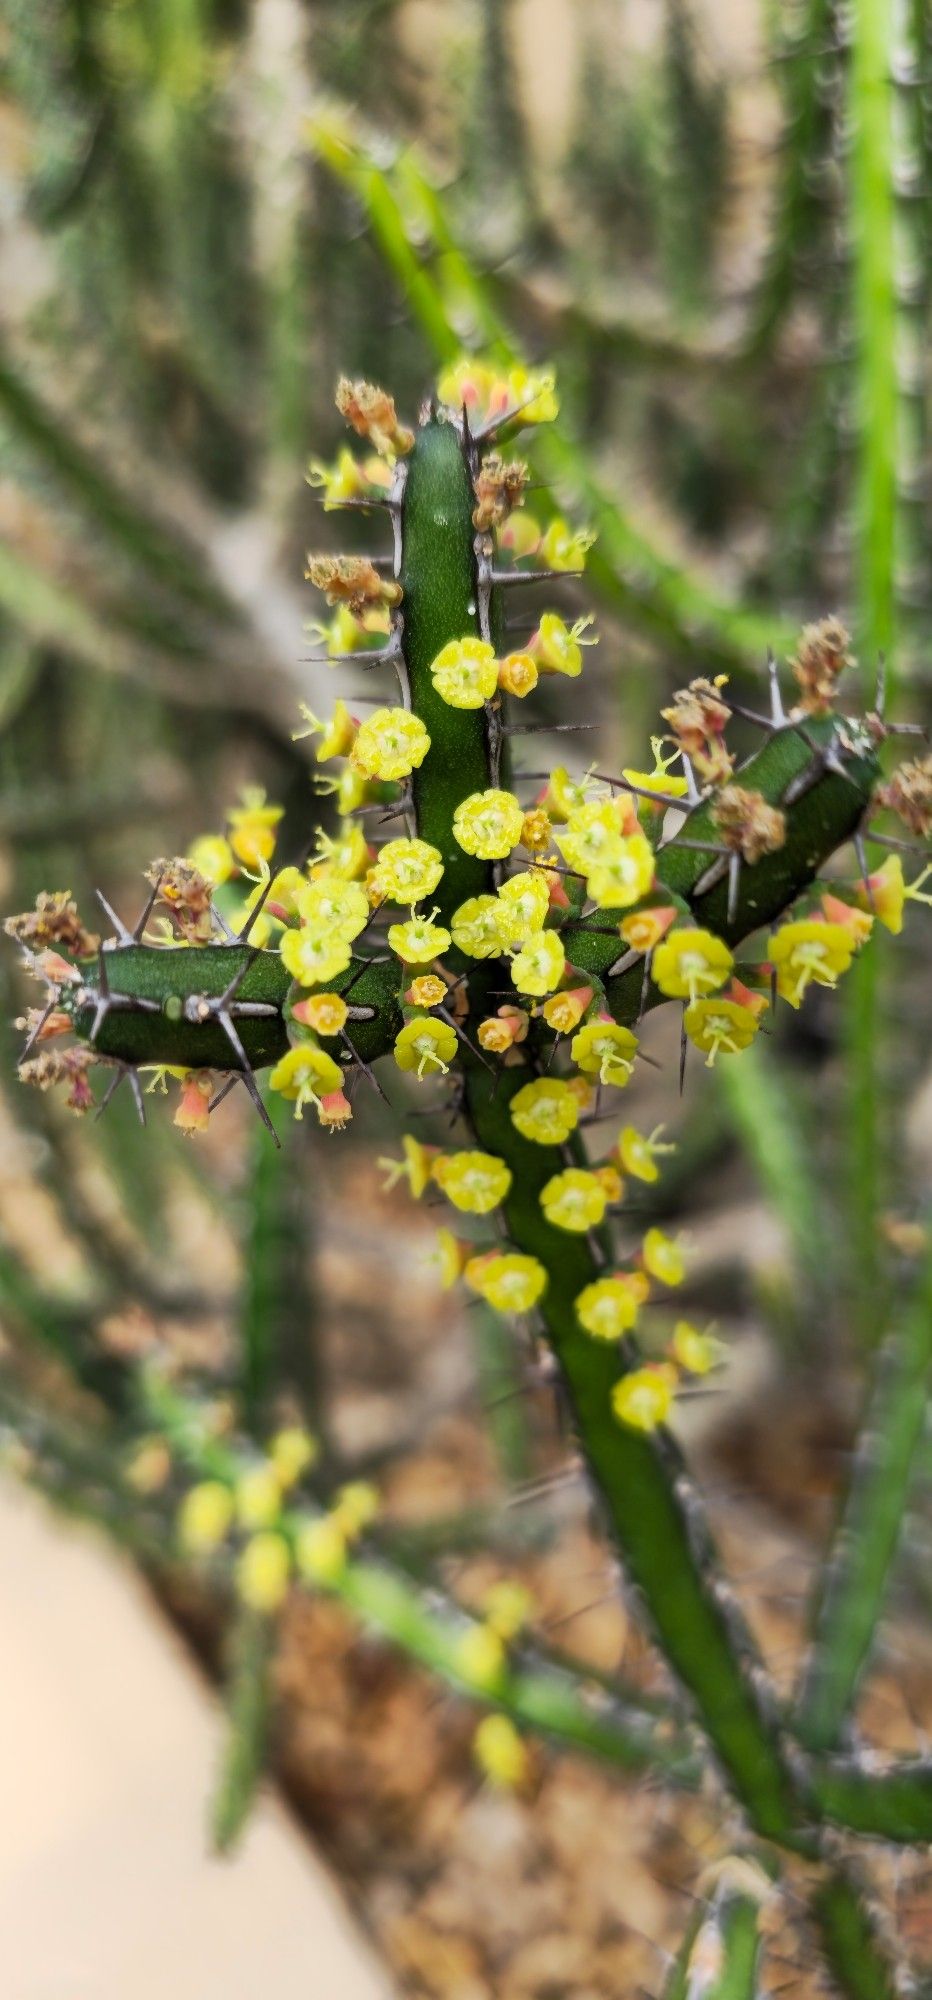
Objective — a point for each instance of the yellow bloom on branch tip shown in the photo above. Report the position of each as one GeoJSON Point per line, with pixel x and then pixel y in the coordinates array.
{"type": "Point", "coordinates": [696, 1352]}
{"type": "Point", "coordinates": [343, 907]}
{"type": "Point", "coordinates": [293, 1452]}
{"type": "Point", "coordinates": [252, 828]}
{"type": "Point", "coordinates": [305, 1075]}
{"type": "Point", "coordinates": [605, 1049]}
{"type": "Point", "coordinates": [593, 834]}
{"type": "Point", "coordinates": [500, 1753]}
{"type": "Point", "coordinates": [325, 1013]}
{"type": "Point", "coordinates": [258, 1497]}
{"type": "Point", "coordinates": [313, 960]}
{"type": "Point", "coordinates": [205, 1517]}
{"type": "Point", "coordinates": [623, 875]}
{"type": "Point", "coordinates": [639, 1155]}
{"type": "Point", "coordinates": [690, 962]}
{"type": "Point", "coordinates": [524, 901]}
{"type": "Point", "coordinates": [545, 1111]}
{"type": "Point", "coordinates": [643, 1400]}
{"type": "Point", "coordinates": [488, 824]}
{"type": "Point", "coordinates": [263, 1573]}
{"type": "Point", "coordinates": [391, 744]}
{"type": "Point", "coordinates": [407, 870]}
{"type": "Point", "coordinates": [716, 1025]}
{"type": "Point", "coordinates": [419, 941]}
{"type": "Point", "coordinates": [479, 1657]}
{"type": "Point", "coordinates": [426, 991]}
{"type": "Point", "coordinates": [540, 964]}
{"type": "Point", "coordinates": [320, 1550]}
{"type": "Point", "coordinates": [566, 548]}
{"type": "Point", "coordinates": [660, 778]}
{"type": "Point", "coordinates": [564, 1010]}
{"type": "Point", "coordinates": [557, 647]}
{"type": "Point", "coordinates": [415, 1166]}
{"type": "Point", "coordinates": [808, 952]}
{"type": "Point", "coordinates": [663, 1258]}
{"type": "Point", "coordinates": [424, 1044]}
{"type": "Point", "coordinates": [608, 1308]}
{"type": "Point", "coordinates": [510, 1282]}
{"type": "Point", "coordinates": [465, 673]}
{"type": "Point", "coordinates": [574, 1200]}
{"type": "Point", "coordinates": [517, 675]}
{"type": "Point", "coordinates": [336, 736]}
{"type": "Point", "coordinates": [474, 1182]}
{"type": "Point", "coordinates": [475, 927]}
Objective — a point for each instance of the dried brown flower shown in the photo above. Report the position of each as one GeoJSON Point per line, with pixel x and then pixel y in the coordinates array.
{"type": "Point", "coordinates": [55, 1066]}
{"type": "Point", "coordinates": [499, 487]}
{"type": "Point", "coordinates": [908, 793]}
{"type": "Point", "coordinates": [372, 414]}
{"type": "Point", "coordinates": [188, 895]}
{"type": "Point", "coordinates": [748, 825]}
{"type": "Point", "coordinates": [351, 580]}
{"type": "Point", "coordinates": [821, 658]}
{"type": "Point", "coordinates": [54, 921]}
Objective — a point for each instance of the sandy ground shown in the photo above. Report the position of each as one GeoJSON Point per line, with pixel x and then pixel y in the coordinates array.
{"type": "Point", "coordinates": [107, 1747]}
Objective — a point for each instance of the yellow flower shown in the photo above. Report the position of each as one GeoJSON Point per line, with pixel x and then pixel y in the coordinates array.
{"type": "Point", "coordinates": [426, 991]}
{"type": "Point", "coordinates": [325, 1013]}
{"type": "Point", "coordinates": [517, 674]}
{"type": "Point", "coordinates": [356, 1507]}
{"type": "Point", "coordinates": [566, 548]}
{"type": "Point", "coordinates": [502, 1030]}
{"type": "Point", "coordinates": [533, 391]}
{"type": "Point", "coordinates": [608, 1308]}
{"type": "Point", "coordinates": [536, 830]}
{"type": "Point", "coordinates": [258, 1497]}
{"type": "Point", "coordinates": [424, 1043]}
{"type": "Point", "coordinates": [639, 1155]}
{"type": "Point", "coordinates": [563, 794]}
{"type": "Point", "coordinates": [506, 1608]}
{"type": "Point", "coordinates": [574, 1200]}
{"type": "Point", "coordinates": [592, 834]}
{"type": "Point", "coordinates": [407, 870]}
{"type": "Point", "coordinates": [659, 779]}
{"type": "Point", "coordinates": [320, 1550]}
{"type": "Point", "coordinates": [336, 736]}
{"type": "Point", "coordinates": [885, 900]}
{"type": "Point", "coordinates": [510, 1282]}
{"type": "Point", "coordinates": [557, 647]}
{"type": "Point", "coordinates": [645, 928]}
{"type": "Point", "coordinates": [546, 1111]}
{"type": "Point", "coordinates": [342, 906]}
{"type": "Point", "coordinates": [391, 744]}
{"type": "Point", "coordinates": [419, 941]}
{"type": "Point", "coordinates": [252, 827]}
{"type": "Point", "coordinates": [465, 673]}
{"type": "Point", "coordinates": [344, 480]}
{"type": "Point", "coordinates": [696, 1352]}
{"type": "Point", "coordinates": [564, 1011]}
{"type": "Point", "coordinates": [452, 1255]}
{"type": "Point", "coordinates": [540, 964]}
{"type": "Point", "coordinates": [415, 1166]}
{"type": "Point", "coordinates": [213, 858]}
{"type": "Point", "coordinates": [663, 1258]}
{"type": "Point", "coordinates": [500, 1753]}
{"type": "Point", "coordinates": [488, 824]}
{"type": "Point", "coordinates": [205, 1517]}
{"type": "Point", "coordinates": [624, 875]}
{"type": "Point", "coordinates": [293, 1452]}
{"type": "Point", "coordinates": [524, 902]}
{"type": "Point", "coordinates": [475, 927]}
{"type": "Point", "coordinates": [312, 960]}
{"type": "Point", "coordinates": [486, 390]}
{"type": "Point", "coordinates": [808, 951]}
{"type": "Point", "coordinates": [474, 1182]}
{"type": "Point", "coordinates": [690, 962]}
{"type": "Point", "coordinates": [717, 1024]}
{"type": "Point", "coordinates": [345, 859]}
{"type": "Point", "coordinates": [605, 1049]}
{"type": "Point", "coordinates": [263, 1573]}
{"type": "Point", "coordinates": [479, 1657]}
{"type": "Point", "coordinates": [305, 1075]}
{"type": "Point", "coordinates": [643, 1400]}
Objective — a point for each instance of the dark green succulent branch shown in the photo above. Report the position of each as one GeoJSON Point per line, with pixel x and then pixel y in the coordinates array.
{"type": "Point", "coordinates": [227, 1007]}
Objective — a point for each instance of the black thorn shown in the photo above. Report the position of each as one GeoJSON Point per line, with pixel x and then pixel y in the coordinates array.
{"type": "Point", "coordinates": [124, 936]}
{"type": "Point", "coordinates": [362, 1064]}
{"type": "Point", "coordinates": [253, 914]}
{"type": "Point", "coordinates": [247, 1072]}
{"type": "Point", "coordinates": [546, 728]}
{"type": "Point", "coordinates": [645, 984]}
{"type": "Point", "coordinates": [110, 1091]}
{"type": "Point", "coordinates": [35, 1033]}
{"type": "Point", "coordinates": [857, 841]}
{"type": "Point", "coordinates": [147, 910]}
{"type": "Point", "coordinates": [507, 576]}
{"type": "Point", "coordinates": [452, 1022]}
{"type": "Point", "coordinates": [684, 1044]}
{"type": "Point", "coordinates": [223, 1092]}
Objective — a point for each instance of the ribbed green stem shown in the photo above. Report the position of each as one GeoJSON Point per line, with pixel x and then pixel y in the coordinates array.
{"type": "Point", "coordinates": [857, 1958]}
{"type": "Point", "coordinates": [853, 1584]}
{"type": "Point", "coordinates": [251, 1644]}
{"type": "Point", "coordinates": [872, 225]}
{"type": "Point", "coordinates": [720, 1955]}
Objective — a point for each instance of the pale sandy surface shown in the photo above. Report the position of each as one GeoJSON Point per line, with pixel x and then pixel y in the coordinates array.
{"type": "Point", "coordinates": [108, 1741]}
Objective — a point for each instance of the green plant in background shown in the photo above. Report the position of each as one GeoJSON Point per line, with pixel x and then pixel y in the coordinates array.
{"type": "Point", "coordinates": [503, 941]}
